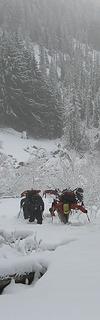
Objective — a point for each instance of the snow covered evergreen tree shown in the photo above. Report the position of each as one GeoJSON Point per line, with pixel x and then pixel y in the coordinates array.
{"type": "Point", "coordinates": [26, 99]}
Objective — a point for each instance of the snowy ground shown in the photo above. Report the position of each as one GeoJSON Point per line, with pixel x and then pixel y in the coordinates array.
{"type": "Point", "coordinates": [70, 288]}
{"type": "Point", "coordinates": [27, 163]}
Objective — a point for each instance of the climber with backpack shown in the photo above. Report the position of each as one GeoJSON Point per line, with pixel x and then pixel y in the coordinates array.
{"type": "Point", "coordinates": [33, 206]}
{"type": "Point", "coordinates": [70, 198]}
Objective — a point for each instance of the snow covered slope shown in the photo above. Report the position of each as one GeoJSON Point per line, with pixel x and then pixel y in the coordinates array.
{"type": "Point", "coordinates": [26, 163]}
{"type": "Point", "coordinates": [70, 287]}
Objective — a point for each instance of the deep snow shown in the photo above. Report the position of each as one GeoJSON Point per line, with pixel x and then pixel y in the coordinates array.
{"type": "Point", "coordinates": [70, 288]}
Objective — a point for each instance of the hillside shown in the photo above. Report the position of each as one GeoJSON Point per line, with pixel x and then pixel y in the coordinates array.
{"type": "Point", "coordinates": [35, 18]}
{"type": "Point", "coordinates": [43, 164]}
{"type": "Point", "coordinates": [49, 70]}
{"type": "Point", "coordinates": [67, 256]}
{"type": "Point", "coordinates": [49, 139]}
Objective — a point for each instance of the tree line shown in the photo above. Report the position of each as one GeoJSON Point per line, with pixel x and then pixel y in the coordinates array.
{"type": "Point", "coordinates": [60, 93]}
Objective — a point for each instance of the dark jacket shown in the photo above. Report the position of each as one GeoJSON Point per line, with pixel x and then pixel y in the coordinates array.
{"type": "Point", "coordinates": [33, 202]}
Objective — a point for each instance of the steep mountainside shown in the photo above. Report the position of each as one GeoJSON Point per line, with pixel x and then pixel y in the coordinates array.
{"type": "Point", "coordinates": [54, 90]}
{"type": "Point", "coordinates": [27, 101]}
{"type": "Point", "coordinates": [37, 18]}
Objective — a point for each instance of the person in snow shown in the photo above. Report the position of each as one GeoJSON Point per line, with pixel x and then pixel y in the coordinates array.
{"type": "Point", "coordinates": [69, 197]}
{"type": "Point", "coordinates": [33, 206]}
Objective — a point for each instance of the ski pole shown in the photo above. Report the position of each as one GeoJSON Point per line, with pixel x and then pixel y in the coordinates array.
{"type": "Point", "coordinates": [19, 213]}
{"type": "Point", "coordinates": [88, 217]}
